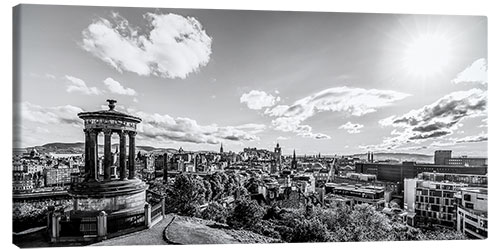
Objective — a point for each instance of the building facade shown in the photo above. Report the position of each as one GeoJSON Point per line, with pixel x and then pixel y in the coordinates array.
{"type": "Point", "coordinates": [430, 198]}
{"type": "Point", "coordinates": [472, 212]}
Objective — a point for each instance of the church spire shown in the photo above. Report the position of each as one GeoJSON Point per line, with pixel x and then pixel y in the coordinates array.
{"type": "Point", "coordinates": [221, 148]}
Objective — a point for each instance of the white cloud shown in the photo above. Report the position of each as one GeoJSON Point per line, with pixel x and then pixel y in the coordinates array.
{"type": "Point", "coordinates": [352, 128]}
{"type": "Point", "coordinates": [256, 99]}
{"type": "Point", "coordinates": [173, 47]}
{"type": "Point", "coordinates": [50, 76]}
{"type": "Point", "coordinates": [282, 138]}
{"type": "Point", "coordinates": [481, 137]}
{"type": "Point", "coordinates": [115, 87]}
{"type": "Point", "coordinates": [436, 120]}
{"type": "Point", "coordinates": [51, 115]}
{"type": "Point", "coordinates": [164, 128]}
{"type": "Point", "coordinates": [78, 85]}
{"type": "Point", "coordinates": [477, 72]}
{"type": "Point", "coordinates": [353, 101]}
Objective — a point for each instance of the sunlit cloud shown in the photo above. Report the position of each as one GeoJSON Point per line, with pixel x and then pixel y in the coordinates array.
{"type": "Point", "coordinates": [477, 72]}
{"type": "Point", "coordinates": [436, 120]}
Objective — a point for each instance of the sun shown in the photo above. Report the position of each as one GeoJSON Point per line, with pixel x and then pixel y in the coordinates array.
{"type": "Point", "coordinates": [427, 55]}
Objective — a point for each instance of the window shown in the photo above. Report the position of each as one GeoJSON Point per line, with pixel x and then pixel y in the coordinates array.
{"type": "Point", "coordinates": [467, 197]}
{"type": "Point", "coordinates": [469, 205]}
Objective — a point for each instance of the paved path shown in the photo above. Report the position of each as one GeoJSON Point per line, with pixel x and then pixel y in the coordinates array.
{"type": "Point", "coordinates": [183, 230]}
{"type": "Point", "coordinates": [152, 236]}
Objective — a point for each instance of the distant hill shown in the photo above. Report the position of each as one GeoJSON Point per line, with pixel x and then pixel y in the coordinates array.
{"type": "Point", "coordinates": [79, 148]}
{"type": "Point", "coordinates": [421, 158]}
{"type": "Point", "coordinates": [61, 148]}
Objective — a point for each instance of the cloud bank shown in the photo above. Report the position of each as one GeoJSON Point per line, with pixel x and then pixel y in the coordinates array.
{"type": "Point", "coordinates": [165, 128]}
{"type": "Point", "coordinates": [173, 47]}
{"type": "Point", "coordinates": [350, 101]}
{"type": "Point", "coordinates": [66, 114]}
{"type": "Point", "coordinates": [436, 120]}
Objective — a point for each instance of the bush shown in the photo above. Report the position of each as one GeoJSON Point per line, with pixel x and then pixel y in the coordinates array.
{"type": "Point", "coordinates": [245, 215]}
{"type": "Point", "coordinates": [215, 212]}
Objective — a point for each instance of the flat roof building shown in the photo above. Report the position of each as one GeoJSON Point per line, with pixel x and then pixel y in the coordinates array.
{"type": "Point", "coordinates": [472, 212]}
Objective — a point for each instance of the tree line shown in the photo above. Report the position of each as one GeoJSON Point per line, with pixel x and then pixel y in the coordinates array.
{"type": "Point", "coordinates": [187, 193]}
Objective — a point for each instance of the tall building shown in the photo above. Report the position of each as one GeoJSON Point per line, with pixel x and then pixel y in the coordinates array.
{"type": "Point", "coordinates": [430, 198]}
{"type": "Point", "coordinates": [440, 156]}
{"type": "Point", "coordinates": [398, 172]}
{"type": "Point", "coordinates": [443, 157]}
{"type": "Point", "coordinates": [277, 155]}
{"type": "Point", "coordinates": [472, 212]}
{"type": "Point", "coordinates": [294, 160]}
{"type": "Point", "coordinates": [221, 149]}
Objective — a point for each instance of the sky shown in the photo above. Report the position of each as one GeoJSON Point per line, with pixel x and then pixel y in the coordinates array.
{"type": "Point", "coordinates": [329, 83]}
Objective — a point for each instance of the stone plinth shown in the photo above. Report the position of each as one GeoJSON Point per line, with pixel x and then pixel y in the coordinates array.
{"type": "Point", "coordinates": [113, 197]}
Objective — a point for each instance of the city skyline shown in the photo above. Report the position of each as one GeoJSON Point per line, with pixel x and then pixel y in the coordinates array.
{"type": "Point", "coordinates": [314, 82]}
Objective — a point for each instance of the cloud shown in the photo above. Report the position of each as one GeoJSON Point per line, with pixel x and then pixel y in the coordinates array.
{"type": "Point", "coordinates": [351, 101]}
{"type": "Point", "coordinates": [352, 128]}
{"type": "Point", "coordinates": [485, 123]}
{"type": "Point", "coordinates": [481, 137]}
{"type": "Point", "coordinates": [476, 138]}
{"type": "Point", "coordinates": [436, 120]}
{"type": "Point", "coordinates": [282, 138]}
{"type": "Point", "coordinates": [78, 85]}
{"type": "Point", "coordinates": [51, 115]}
{"type": "Point", "coordinates": [50, 76]}
{"type": "Point", "coordinates": [166, 128]}
{"type": "Point", "coordinates": [477, 72]}
{"type": "Point", "coordinates": [115, 87]}
{"type": "Point", "coordinates": [173, 46]}
{"type": "Point", "coordinates": [256, 99]}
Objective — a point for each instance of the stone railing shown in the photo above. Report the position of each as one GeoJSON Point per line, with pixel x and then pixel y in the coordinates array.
{"type": "Point", "coordinates": [62, 228]}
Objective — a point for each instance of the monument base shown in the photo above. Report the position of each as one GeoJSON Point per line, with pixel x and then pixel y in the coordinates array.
{"type": "Point", "coordinates": [113, 197]}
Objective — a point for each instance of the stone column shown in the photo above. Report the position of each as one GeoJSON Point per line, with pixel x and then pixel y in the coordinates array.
{"type": "Point", "coordinates": [93, 154]}
{"type": "Point", "coordinates": [56, 228]}
{"type": "Point", "coordinates": [163, 206]}
{"type": "Point", "coordinates": [123, 155]}
{"type": "Point", "coordinates": [107, 154]}
{"type": "Point", "coordinates": [131, 154]}
{"type": "Point", "coordinates": [102, 227]}
{"type": "Point", "coordinates": [87, 153]}
{"type": "Point", "coordinates": [147, 215]}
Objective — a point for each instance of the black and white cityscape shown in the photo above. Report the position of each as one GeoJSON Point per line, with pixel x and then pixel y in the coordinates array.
{"type": "Point", "coordinates": [149, 126]}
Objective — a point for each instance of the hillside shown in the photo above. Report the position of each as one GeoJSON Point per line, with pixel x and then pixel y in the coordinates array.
{"type": "Point", "coordinates": [78, 148]}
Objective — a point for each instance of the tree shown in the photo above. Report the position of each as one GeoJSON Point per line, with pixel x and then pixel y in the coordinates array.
{"type": "Point", "coordinates": [217, 186]}
{"type": "Point", "coordinates": [208, 190]}
{"type": "Point", "coordinates": [369, 224]}
{"type": "Point", "coordinates": [186, 195]}
{"type": "Point", "coordinates": [246, 213]}
{"type": "Point", "coordinates": [215, 212]}
{"type": "Point", "coordinates": [443, 234]}
{"type": "Point", "coordinates": [310, 230]}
